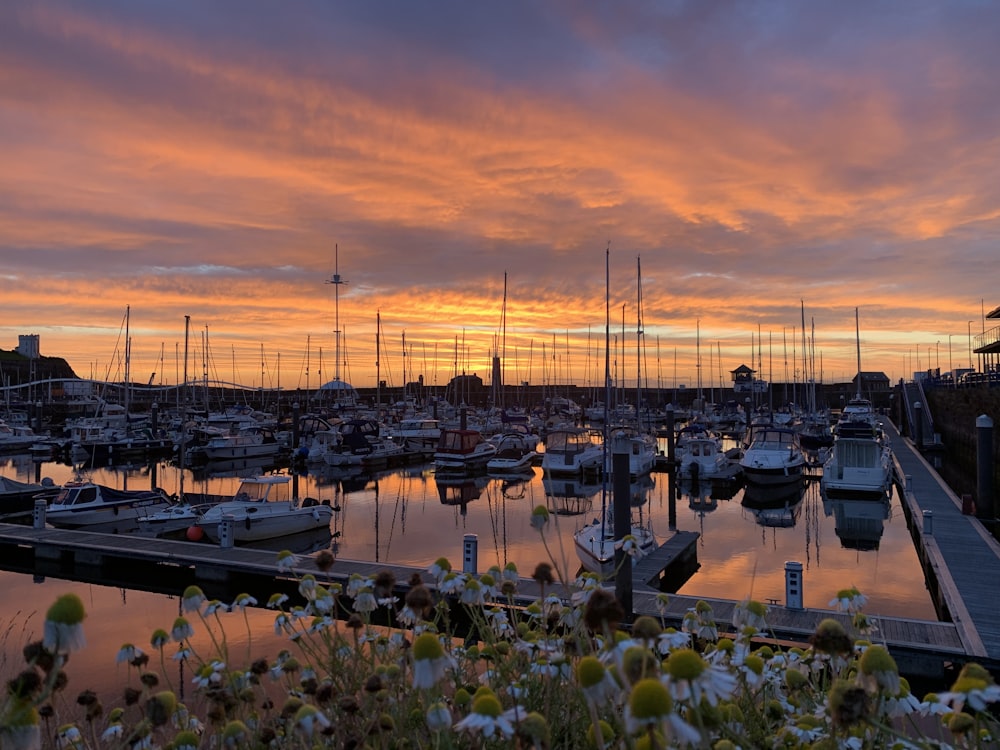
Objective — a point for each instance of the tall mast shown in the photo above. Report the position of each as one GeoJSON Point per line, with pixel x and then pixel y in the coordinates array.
{"type": "Point", "coordinates": [336, 281]}
{"type": "Point", "coordinates": [857, 336]}
{"type": "Point", "coordinates": [638, 345]}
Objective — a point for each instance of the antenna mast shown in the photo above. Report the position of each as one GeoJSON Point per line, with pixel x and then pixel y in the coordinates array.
{"type": "Point", "coordinates": [336, 281]}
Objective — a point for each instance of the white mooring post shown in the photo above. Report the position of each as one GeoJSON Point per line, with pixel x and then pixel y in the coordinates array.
{"type": "Point", "coordinates": [38, 514]}
{"type": "Point", "coordinates": [928, 523]}
{"type": "Point", "coordinates": [793, 585]}
{"type": "Point", "coordinates": [470, 553]}
{"type": "Point", "coordinates": [227, 532]}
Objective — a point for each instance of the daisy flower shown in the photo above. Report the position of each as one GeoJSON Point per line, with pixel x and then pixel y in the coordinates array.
{"type": "Point", "coordinates": [309, 719]}
{"type": "Point", "coordinates": [192, 599]}
{"type": "Point", "coordinates": [671, 639]}
{"type": "Point", "coordinates": [438, 717]}
{"type": "Point", "coordinates": [181, 630]}
{"type": "Point", "coordinates": [690, 678]}
{"type": "Point", "coordinates": [277, 601]}
{"type": "Point", "coordinates": [127, 653]}
{"type": "Point", "coordinates": [365, 601]}
{"type": "Point", "coordinates": [286, 561]}
{"type": "Point", "coordinates": [20, 730]}
{"type": "Point", "coordinates": [487, 717]}
{"type": "Point", "coordinates": [750, 614]}
{"type": "Point", "coordinates": [650, 707]}
{"type": "Point", "coordinates": [452, 583]}
{"type": "Point", "coordinates": [430, 662]}
{"type": "Point", "coordinates": [473, 593]}
{"type": "Point", "coordinates": [539, 518]}
{"type": "Point", "coordinates": [64, 625]}
{"type": "Point", "coordinates": [849, 600]}
{"type": "Point", "coordinates": [974, 687]}
{"type": "Point", "coordinates": [630, 546]}
{"type": "Point", "coordinates": [214, 607]}
{"type": "Point", "coordinates": [357, 583]}
{"type": "Point", "coordinates": [242, 602]}
{"type": "Point", "coordinates": [596, 682]}
{"type": "Point", "coordinates": [439, 568]}
{"type": "Point", "coordinates": [877, 671]}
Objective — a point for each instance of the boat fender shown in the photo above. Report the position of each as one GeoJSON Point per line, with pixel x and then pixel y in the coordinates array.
{"type": "Point", "coordinates": [246, 523]}
{"type": "Point", "coordinates": [315, 514]}
{"type": "Point", "coordinates": [115, 510]}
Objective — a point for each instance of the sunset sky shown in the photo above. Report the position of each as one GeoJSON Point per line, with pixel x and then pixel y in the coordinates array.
{"type": "Point", "coordinates": [204, 159]}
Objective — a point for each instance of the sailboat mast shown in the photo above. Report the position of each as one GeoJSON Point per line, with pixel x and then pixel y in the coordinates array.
{"type": "Point", "coordinates": [638, 344]}
{"type": "Point", "coordinates": [857, 336]}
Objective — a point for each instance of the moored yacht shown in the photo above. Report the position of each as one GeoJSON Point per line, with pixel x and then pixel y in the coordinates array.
{"type": "Point", "coordinates": [263, 508]}
{"type": "Point", "coordinates": [83, 504]}
{"type": "Point", "coordinates": [773, 456]}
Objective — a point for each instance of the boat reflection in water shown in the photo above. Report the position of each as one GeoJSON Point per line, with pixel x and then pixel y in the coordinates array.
{"type": "Point", "coordinates": [774, 506]}
{"type": "Point", "coordinates": [570, 496]}
{"type": "Point", "coordinates": [460, 490]}
{"type": "Point", "coordinates": [859, 523]}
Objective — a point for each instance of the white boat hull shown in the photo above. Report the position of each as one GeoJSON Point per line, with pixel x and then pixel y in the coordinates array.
{"type": "Point", "coordinates": [254, 522]}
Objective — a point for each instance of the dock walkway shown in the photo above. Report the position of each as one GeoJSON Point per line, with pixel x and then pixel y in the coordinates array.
{"type": "Point", "coordinates": [168, 566]}
{"type": "Point", "coordinates": [961, 558]}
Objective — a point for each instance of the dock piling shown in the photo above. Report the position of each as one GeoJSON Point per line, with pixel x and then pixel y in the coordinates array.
{"type": "Point", "coordinates": [928, 523]}
{"type": "Point", "coordinates": [984, 467]}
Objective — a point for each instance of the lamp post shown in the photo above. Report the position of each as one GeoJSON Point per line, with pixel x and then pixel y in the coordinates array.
{"type": "Point", "coordinates": [950, 368]}
{"type": "Point", "coordinates": [970, 344]}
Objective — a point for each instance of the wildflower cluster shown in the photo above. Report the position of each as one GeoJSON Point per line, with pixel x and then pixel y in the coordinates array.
{"type": "Point", "coordinates": [363, 668]}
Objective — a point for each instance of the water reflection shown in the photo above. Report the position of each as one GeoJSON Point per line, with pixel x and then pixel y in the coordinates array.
{"type": "Point", "coordinates": [409, 517]}
{"type": "Point", "coordinates": [774, 506]}
{"type": "Point", "coordinates": [859, 523]}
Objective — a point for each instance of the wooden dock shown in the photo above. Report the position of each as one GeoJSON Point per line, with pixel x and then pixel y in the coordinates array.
{"type": "Point", "coordinates": [923, 648]}
{"type": "Point", "coordinates": [961, 558]}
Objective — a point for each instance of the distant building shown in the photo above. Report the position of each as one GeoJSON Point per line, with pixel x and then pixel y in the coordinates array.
{"type": "Point", "coordinates": [871, 382]}
{"type": "Point", "coordinates": [27, 346]}
{"type": "Point", "coordinates": [745, 382]}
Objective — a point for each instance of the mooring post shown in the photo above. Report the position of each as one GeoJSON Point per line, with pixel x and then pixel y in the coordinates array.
{"type": "Point", "coordinates": [470, 553]}
{"type": "Point", "coordinates": [227, 532]}
{"type": "Point", "coordinates": [908, 483]}
{"type": "Point", "coordinates": [622, 521]}
{"type": "Point", "coordinates": [668, 426]}
{"type": "Point", "coordinates": [793, 585]}
{"type": "Point", "coordinates": [38, 514]}
{"type": "Point", "coordinates": [984, 468]}
{"type": "Point", "coordinates": [928, 523]}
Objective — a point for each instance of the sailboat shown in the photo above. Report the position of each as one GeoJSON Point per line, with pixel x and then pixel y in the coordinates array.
{"type": "Point", "coordinates": [860, 463]}
{"type": "Point", "coordinates": [596, 543]}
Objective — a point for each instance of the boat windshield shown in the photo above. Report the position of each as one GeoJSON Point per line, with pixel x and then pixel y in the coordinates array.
{"type": "Point", "coordinates": [259, 491]}
{"type": "Point", "coordinates": [76, 495]}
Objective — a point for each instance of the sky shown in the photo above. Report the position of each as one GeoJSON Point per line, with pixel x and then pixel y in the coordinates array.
{"type": "Point", "coordinates": [191, 175]}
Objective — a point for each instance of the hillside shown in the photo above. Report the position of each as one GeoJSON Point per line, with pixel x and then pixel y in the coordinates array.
{"type": "Point", "coordinates": [16, 368]}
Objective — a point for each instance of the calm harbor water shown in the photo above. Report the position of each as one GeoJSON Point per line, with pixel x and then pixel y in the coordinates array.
{"type": "Point", "coordinates": [407, 516]}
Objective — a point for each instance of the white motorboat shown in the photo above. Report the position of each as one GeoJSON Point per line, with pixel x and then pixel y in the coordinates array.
{"type": "Point", "coordinates": [255, 442]}
{"type": "Point", "coordinates": [860, 463]}
{"type": "Point", "coordinates": [462, 451]}
{"type": "Point", "coordinates": [570, 451]}
{"type": "Point", "coordinates": [773, 456]}
{"type": "Point", "coordinates": [699, 455]}
{"type": "Point", "coordinates": [83, 504]}
{"type": "Point", "coordinates": [263, 508]}
{"type": "Point", "coordinates": [515, 454]}
{"type": "Point", "coordinates": [641, 449]}
{"type": "Point", "coordinates": [596, 542]}
{"type": "Point", "coordinates": [417, 433]}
